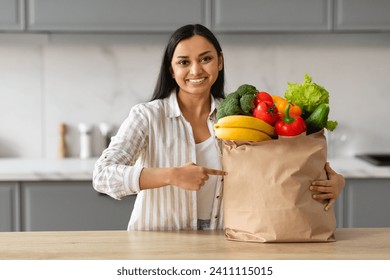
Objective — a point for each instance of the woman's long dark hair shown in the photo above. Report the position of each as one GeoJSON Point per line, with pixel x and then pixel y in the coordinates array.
{"type": "Point", "coordinates": [165, 83]}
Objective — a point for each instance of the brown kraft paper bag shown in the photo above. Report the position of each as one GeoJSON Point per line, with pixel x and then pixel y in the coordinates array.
{"type": "Point", "coordinates": [266, 192]}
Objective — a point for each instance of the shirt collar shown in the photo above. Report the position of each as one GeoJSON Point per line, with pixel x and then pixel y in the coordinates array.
{"type": "Point", "coordinates": [173, 109]}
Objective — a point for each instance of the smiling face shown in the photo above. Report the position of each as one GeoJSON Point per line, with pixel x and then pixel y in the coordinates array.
{"type": "Point", "coordinates": [195, 65]}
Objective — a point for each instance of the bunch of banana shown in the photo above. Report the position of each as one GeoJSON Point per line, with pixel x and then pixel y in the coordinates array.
{"type": "Point", "coordinates": [243, 128]}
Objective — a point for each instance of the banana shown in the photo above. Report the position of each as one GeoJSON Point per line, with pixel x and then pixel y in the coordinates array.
{"type": "Point", "coordinates": [241, 121]}
{"type": "Point", "coordinates": [241, 134]}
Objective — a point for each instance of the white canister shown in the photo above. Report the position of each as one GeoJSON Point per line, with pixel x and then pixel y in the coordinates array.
{"type": "Point", "coordinates": [85, 140]}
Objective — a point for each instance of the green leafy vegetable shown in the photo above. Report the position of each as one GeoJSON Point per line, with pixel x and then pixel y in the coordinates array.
{"type": "Point", "coordinates": [331, 125]}
{"type": "Point", "coordinates": [313, 99]}
{"type": "Point", "coordinates": [307, 95]}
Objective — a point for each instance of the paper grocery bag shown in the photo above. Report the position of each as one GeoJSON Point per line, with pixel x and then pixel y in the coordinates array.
{"type": "Point", "coordinates": [266, 192]}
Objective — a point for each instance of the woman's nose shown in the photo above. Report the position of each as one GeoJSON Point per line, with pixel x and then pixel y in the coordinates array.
{"type": "Point", "coordinates": [196, 68]}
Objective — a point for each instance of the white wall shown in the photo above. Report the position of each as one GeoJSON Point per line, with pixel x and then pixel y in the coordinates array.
{"type": "Point", "coordinates": [94, 79]}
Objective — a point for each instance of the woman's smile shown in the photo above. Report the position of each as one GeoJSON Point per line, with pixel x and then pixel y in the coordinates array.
{"type": "Point", "coordinates": [197, 81]}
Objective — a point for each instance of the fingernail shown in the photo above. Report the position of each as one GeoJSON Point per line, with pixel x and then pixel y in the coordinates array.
{"type": "Point", "coordinates": [314, 196]}
{"type": "Point", "coordinates": [311, 188]}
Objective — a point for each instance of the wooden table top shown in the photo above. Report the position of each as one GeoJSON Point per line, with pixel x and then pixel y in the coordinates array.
{"type": "Point", "coordinates": [351, 244]}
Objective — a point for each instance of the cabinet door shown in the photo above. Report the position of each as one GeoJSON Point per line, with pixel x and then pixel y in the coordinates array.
{"type": "Point", "coordinates": [114, 15]}
{"type": "Point", "coordinates": [339, 211]}
{"type": "Point", "coordinates": [11, 15]}
{"type": "Point", "coordinates": [272, 15]}
{"type": "Point", "coordinates": [362, 15]}
{"type": "Point", "coordinates": [71, 206]}
{"type": "Point", "coordinates": [9, 207]}
{"type": "Point", "coordinates": [367, 203]}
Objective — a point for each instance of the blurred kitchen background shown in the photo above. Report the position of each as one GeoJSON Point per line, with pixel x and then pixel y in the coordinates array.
{"type": "Point", "coordinates": [60, 64]}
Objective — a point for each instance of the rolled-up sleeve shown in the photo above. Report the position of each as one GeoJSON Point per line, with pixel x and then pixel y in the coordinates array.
{"type": "Point", "coordinates": [116, 172]}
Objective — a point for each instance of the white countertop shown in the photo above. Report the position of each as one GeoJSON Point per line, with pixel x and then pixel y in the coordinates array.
{"type": "Point", "coordinates": [21, 169]}
{"type": "Point", "coordinates": [73, 169]}
{"type": "Point", "coordinates": [352, 167]}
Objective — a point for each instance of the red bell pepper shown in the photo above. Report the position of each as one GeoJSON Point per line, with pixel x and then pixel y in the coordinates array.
{"type": "Point", "coordinates": [266, 111]}
{"type": "Point", "coordinates": [290, 125]}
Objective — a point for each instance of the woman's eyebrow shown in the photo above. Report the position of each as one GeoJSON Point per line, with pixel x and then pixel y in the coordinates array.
{"type": "Point", "coordinates": [186, 56]}
{"type": "Point", "coordinates": [203, 53]}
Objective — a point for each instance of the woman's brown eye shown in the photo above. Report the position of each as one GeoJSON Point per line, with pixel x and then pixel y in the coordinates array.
{"type": "Point", "coordinates": [183, 62]}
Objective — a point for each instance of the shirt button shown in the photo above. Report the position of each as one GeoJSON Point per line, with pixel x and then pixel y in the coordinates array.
{"type": "Point", "coordinates": [217, 196]}
{"type": "Point", "coordinates": [216, 217]}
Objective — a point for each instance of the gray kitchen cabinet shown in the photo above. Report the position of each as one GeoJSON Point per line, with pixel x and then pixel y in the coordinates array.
{"type": "Point", "coordinates": [367, 203]}
{"type": "Point", "coordinates": [225, 16]}
{"type": "Point", "coordinates": [339, 211]}
{"type": "Point", "coordinates": [272, 15]}
{"type": "Point", "coordinates": [362, 15]}
{"type": "Point", "coordinates": [364, 203]}
{"type": "Point", "coordinates": [9, 206]}
{"type": "Point", "coordinates": [114, 15]}
{"type": "Point", "coordinates": [72, 205]}
{"type": "Point", "coordinates": [11, 15]}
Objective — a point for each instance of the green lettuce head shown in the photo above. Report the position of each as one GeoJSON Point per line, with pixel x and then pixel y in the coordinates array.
{"type": "Point", "coordinates": [307, 95]}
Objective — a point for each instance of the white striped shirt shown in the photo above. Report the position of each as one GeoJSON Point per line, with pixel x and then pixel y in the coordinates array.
{"type": "Point", "coordinates": [155, 134]}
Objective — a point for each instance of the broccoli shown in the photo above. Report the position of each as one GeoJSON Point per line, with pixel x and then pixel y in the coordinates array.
{"type": "Point", "coordinates": [233, 95]}
{"type": "Point", "coordinates": [240, 102]}
{"type": "Point", "coordinates": [247, 103]}
{"type": "Point", "coordinates": [229, 106]}
{"type": "Point", "coordinates": [246, 89]}
{"type": "Point", "coordinates": [221, 110]}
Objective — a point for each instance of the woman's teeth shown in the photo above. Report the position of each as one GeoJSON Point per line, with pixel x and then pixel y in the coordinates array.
{"type": "Point", "coordinates": [197, 81]}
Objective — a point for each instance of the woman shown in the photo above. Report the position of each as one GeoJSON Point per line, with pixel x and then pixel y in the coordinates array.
{"type": "Point", "coordinates": [156, 148]}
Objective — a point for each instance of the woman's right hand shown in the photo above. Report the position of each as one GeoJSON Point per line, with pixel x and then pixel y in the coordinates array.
{"type": "Point", "coordinates": [188, 176]}
{"type": "Point", "coordinates": [192, 177]}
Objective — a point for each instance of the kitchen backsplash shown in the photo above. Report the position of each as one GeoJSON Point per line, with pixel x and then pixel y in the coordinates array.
{"type": "Point", "coordinates": [96, 79]}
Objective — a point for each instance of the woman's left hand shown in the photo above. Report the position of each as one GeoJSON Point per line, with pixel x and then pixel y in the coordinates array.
{"type": "Point", "coordinates": [328, 189]}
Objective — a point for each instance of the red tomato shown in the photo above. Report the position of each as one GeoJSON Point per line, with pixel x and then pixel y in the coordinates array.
{"type": "Point", "coordinates": [266, 111]}
{"type": "Point", "coordinates": [263, 96]}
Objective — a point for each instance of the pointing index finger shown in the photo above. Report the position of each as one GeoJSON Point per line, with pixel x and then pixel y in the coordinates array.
{"type": "Point", "coordinates": [211, 171]}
